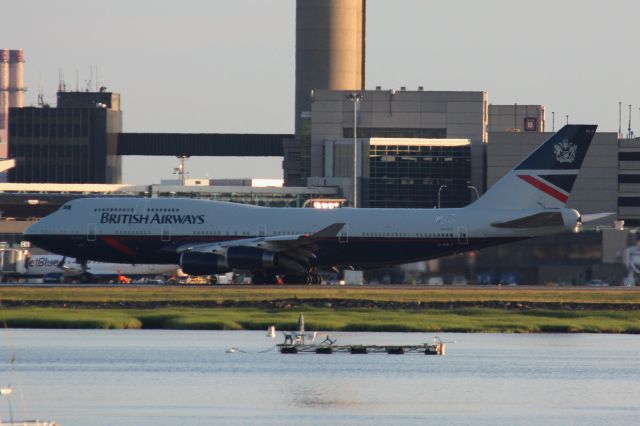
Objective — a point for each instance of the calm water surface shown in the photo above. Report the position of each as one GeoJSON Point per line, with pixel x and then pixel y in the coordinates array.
{"type": "Point", "coordinates": [97, 377]}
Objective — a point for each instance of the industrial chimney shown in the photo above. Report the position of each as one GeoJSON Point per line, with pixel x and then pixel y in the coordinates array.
{"type": "Point", "coordinates": [16, 78]}
{"type": "Point", "coordinates": [4, 101]}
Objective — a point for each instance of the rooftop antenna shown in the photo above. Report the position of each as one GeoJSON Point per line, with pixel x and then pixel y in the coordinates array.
{"type": "Point", "coordinates": [62, 86]}
{"type": "Point", "coordinates": [553, 121]}
{"type": "Point", "coordinates": [629, 134]}
{"type": "Point", "coordinates": [77, 81]}
{"type": "Point", "coordinates": [620, 120]}
{"type": "Point", "coordinates": [40, 91]}
{"type": "Point", "coordinates": [90, 82]}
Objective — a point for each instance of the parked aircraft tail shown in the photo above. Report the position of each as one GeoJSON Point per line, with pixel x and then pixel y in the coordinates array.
{"type": "Point", "coordinates": [545, 178]}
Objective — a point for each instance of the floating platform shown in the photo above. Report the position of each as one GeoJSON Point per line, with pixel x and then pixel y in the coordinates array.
{"type": "Point", "coordinates": [437, 348]}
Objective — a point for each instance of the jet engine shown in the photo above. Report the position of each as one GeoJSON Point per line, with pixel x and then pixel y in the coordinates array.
{"type": "Point", "coordinates": [249, 258]}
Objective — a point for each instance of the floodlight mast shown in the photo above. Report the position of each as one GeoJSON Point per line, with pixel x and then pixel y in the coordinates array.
{"type": "Point", "coordinates": [355, 98]}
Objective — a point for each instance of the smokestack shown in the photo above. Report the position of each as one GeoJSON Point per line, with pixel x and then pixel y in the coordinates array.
{"type": "Point", "coordinates": [16, 78]}
{"type": "Point", "coordinates": [4, 101]}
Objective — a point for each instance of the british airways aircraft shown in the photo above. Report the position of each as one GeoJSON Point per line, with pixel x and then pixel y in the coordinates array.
{"type": "Point", "coordinates": [210, 237]}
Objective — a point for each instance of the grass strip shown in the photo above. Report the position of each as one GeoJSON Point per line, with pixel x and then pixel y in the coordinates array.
{"type": "Point", "coordinates": [462, 320]}
{"type": "Point", "coordinates": [221, 294]}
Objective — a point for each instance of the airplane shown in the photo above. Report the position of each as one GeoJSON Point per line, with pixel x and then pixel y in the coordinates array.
{"type": "Point", "coordinates": [211, 237]}
{"type": "Point", "coordinates": [39, 265]}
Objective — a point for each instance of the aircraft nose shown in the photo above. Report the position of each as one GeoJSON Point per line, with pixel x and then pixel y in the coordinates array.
{"type": "Point", "coordinates": [32, 229]}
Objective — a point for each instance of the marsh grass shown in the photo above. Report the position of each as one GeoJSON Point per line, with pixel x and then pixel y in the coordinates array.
{"type": "Point", "coordinates": [461, 320]}
{"type": "Point", "coordinates": [254, 293]}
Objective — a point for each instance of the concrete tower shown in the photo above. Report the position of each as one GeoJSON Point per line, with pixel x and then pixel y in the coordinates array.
{"type": "Point", "coordinates": [4, 100]}
{"type": "Point", "coordinates": [330, 44]}
{"type": "Point", "coordinates": [16, 78]}
{"type": "Point", "coordinates": [330, 52]}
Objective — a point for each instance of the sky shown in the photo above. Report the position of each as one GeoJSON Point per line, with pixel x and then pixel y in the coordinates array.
{"type": "Point", "coordinates": [228, 67]}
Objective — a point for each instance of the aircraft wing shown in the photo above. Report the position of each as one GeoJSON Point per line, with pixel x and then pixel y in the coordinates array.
{"type": "Point", "coordinates": [298, 248]}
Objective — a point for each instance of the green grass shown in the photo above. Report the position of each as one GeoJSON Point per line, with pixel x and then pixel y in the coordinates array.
{"type": "Point", "coordinates": [68, 311]}
{"type": "Point", "coordinates": [460, 320]}
{"type": "Point", "coordinates": [253, 293]}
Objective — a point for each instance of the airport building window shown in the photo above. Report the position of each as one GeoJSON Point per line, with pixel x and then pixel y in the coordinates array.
{"type": "Point", "coordinates": [61, 145]}
{"type": "Point", "coordinates": [414, 176]}
{"type": "Point", "coordinates": [628, 178]}
{"type": "Point", "coordinates": [629, 156]}
{"type": "Point", "coordinates": [393, 132]}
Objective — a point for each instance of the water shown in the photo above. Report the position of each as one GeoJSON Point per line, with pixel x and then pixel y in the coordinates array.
{"type": "Point", "coordinates": [97, 377]}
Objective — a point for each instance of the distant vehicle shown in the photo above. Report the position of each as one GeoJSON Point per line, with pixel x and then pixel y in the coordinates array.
{"type": "Point", "coordinates": [153, 281]}
{"type": "Point", "coordinates": [212, 237]}
{"type": "Point", "coordinates": [435, 281]}
{"type": "Point", "coordinates": [597, 283]}
{"type": "Point", "coordinates": [42, 265]}
{"type": "Point", "coordinates": [53, 278]}
{"type": "Point", "coordinates": [486, 278]}
{"type": "Point", "coordinates": [459, 280]}
{"type": "Point", "coordinates": [509, 278]}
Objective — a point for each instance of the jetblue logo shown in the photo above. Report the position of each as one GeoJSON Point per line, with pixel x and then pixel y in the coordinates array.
{"type": "Point", "coordinates": [565, 151]}
{"type": "Point", "coordinates": [42, 262]}
{"type": "Point", "coordinates": [148, 219]}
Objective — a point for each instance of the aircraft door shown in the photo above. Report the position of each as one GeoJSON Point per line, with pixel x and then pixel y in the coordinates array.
{"type": "Point", "coordinates": [141, 206]}
{"type": "Point", "coordinates": [165, 233]}
{"type": "Point", "coordinates": [91, 232]}
{"type": "Point", "coordinates": [343, 236]}
{"type": "Point", "coordinates": [463, 238]}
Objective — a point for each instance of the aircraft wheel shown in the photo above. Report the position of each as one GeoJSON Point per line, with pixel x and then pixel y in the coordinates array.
{"type": "Point", "coordinates": [258, 279]}
{"type": "Point", "coordinates": [213, 280]}
{"type": "Point", "coordinates": [86, 278]}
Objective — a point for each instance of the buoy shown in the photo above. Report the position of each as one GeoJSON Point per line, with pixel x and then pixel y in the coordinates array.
{"type": "Point", "coordinates": [271, 331]}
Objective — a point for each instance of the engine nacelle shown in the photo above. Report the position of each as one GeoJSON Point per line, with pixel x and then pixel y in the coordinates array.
{"type": "Point", "coordinates": [235, 257]}
{"type": "Point", "coordinates": [251, 258]}
{"type": "Point", "coordinates": [195, 263]}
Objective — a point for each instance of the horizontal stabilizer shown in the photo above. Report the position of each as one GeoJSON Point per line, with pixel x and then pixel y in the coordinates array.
{"type": "Point", "coordinates": [533, 221]}
{"type": "Point", "coordinates": [585, 218]}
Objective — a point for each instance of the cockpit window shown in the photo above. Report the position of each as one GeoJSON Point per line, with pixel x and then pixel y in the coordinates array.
{"type": "Point", "coordinates": [66, 207]}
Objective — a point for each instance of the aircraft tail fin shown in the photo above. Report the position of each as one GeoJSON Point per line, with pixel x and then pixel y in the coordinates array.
{"type": "Point", "coordinates": [545, 178]}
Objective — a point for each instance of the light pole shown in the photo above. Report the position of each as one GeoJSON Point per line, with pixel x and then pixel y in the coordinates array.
{"type": "Point", "coordinates": [440, 192]}
{"type": "Point", "coordinates": [180, 171]}
{"type": "Point", "coordinates": [475, 190]}
{"type": "Point", "coordinates": [355, 98]}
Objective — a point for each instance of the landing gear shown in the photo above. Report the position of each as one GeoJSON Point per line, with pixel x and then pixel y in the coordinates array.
{"type": "Point", "coordinates": [86, 278]}
{"type": "Point", "coordinates": [315, 278]}
{"type": "Point", "coordinates": [312, 277]}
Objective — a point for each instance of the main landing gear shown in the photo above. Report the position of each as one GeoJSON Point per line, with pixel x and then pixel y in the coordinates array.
{"type": "Point", "coordinates": [313, 277]}
{"type": "Point", "coordinates": [85, 277]}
